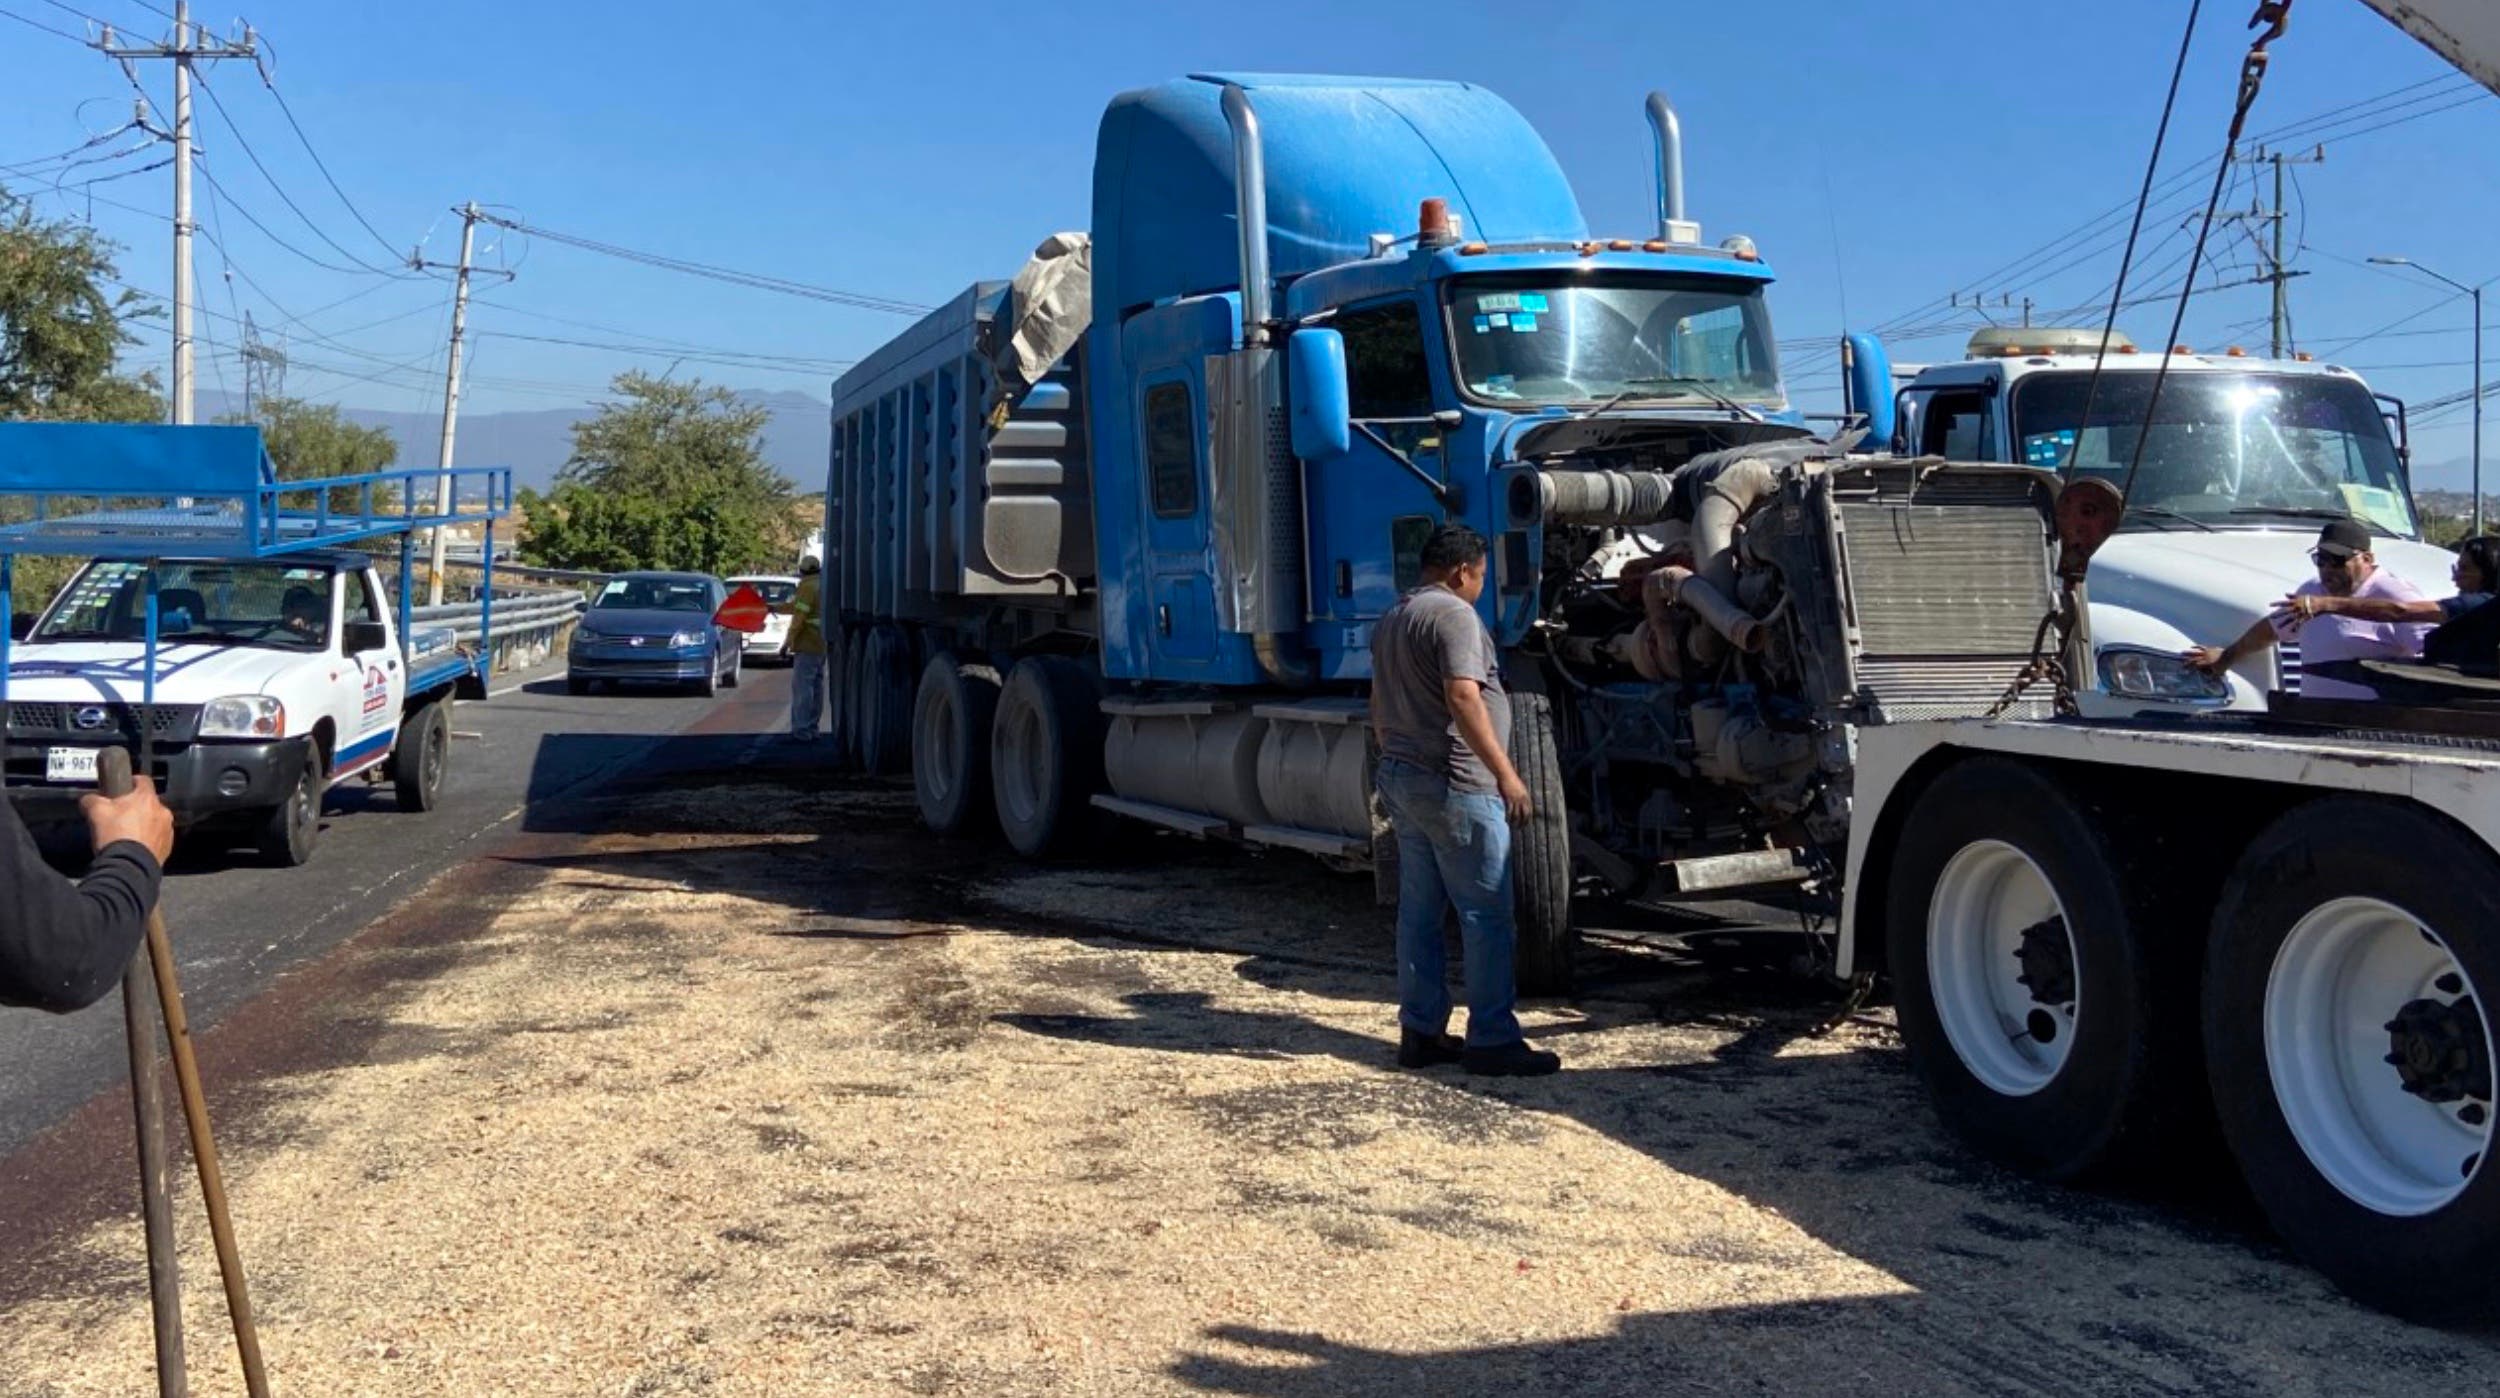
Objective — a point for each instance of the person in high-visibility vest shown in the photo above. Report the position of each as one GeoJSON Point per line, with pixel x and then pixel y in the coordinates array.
{"type": "Point", "coordinates": [807, 651]}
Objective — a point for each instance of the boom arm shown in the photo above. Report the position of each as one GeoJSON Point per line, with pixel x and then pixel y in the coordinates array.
{"type": "Point", "coordinates": [2465, 32]}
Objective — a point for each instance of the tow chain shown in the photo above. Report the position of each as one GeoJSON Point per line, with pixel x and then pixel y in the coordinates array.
{"type": "Point", "coordinates": [2047, 662]}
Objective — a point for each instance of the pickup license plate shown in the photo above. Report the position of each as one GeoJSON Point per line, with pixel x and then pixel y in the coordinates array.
{"type": "Point", "coordinates": [69, 765]}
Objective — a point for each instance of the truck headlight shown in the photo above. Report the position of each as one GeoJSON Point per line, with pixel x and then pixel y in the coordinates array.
{"type": "Point", "coordinates": [685, 639]}
{"type": "Point", "coordinates": [2133, 673]}
{"type": "Point", "coordinates": [243, 716]}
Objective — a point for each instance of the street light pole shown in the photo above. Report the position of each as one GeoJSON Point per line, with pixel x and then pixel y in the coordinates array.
{"type": "Point", "coordinates": [2476, 294]}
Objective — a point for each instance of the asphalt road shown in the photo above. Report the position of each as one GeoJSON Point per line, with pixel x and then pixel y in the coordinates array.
{"type": "Point", "coordinates": [237, 928]}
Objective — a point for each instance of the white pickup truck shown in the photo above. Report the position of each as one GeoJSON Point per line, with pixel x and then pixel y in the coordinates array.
{"type": "Point", "coordinates": [2246, 459]}
{"type": "Point", "coordinates": [275, 680]}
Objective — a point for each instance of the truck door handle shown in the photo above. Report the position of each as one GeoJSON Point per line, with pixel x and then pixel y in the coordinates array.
{"type": "Point", "coordinates": [1163, 618]}
{"type": "Point", "coordinates": [392, 664]}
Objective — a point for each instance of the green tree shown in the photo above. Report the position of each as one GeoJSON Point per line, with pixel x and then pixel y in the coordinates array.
{"type": "Point", "coordinates": [311, 441]}
{"type": "Point", "coordinates": [672, 476]}
{"type": "Point", "coordinates": [62, 328]}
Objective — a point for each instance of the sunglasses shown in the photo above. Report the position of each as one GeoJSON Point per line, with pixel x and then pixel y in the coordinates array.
{"type": "Point", "coordinates": [2329, 560]}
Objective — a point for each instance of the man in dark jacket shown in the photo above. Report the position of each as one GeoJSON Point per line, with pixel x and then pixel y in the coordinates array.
{"type": "Point", "coordinates": [62, 944]}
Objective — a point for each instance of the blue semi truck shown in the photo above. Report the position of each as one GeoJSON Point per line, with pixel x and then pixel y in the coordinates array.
{"type": "Point", "coordinates": [1111, 537]}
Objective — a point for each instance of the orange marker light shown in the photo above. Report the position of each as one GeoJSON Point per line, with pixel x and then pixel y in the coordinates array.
{"type": "Point", "coordinates": [1470, 249]}
{"type": "Point", "coordinates": [1620, 245]}
{"type": "Point", "coordinates": [1654, 245]}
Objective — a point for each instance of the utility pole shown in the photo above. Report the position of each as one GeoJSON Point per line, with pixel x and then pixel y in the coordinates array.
{"type": "Point", "coordinates": [469, 213]}
{"type": "Point", "coordinates": [2475, 294]}
{"type": "Point", "coordinates": [2277, 273]}
{"type": "Point", "coordinates": [186, 48]}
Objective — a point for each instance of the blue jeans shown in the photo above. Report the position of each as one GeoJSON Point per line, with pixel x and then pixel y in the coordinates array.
{"type": "Point", "coordinates": [1453, 850]}
{"type": "Point", "coordinates": [807, 692]}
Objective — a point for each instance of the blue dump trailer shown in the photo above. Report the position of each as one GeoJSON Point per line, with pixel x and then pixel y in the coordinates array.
{"type": "Point", "coordinates": [1111, 536]}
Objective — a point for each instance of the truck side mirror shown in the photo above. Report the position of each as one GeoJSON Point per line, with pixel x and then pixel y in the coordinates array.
{"type": "Point", "coordinates": [1322, 409]}
{"type": "Point", "coordinates": [362, 636]}
{"type": "Point", "coordinates": [1866, 383]}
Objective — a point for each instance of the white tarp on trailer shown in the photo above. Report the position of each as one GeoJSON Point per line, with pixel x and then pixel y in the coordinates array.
{"type": "Point", "coordinates": [1050, 303]}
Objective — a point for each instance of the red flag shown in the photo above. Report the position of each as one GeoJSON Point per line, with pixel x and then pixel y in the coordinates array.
{"type": "Point", "coordinates": [744, 611]}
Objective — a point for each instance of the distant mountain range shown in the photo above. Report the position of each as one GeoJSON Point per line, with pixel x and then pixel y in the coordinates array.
{"type": "Point", "coordinates": [535, 444]}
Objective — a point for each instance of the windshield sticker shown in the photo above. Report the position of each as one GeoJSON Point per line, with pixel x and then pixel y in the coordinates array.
{"type": "Point", "coordinates": [1502, 386]}
{"type": "Point", "coordinates": [1523, 324]}
{"type": "Point", "coordinates": [614, 588]}
{"type": "Point", "coordinates": [2384, 508]}
{"type": "Point", "coordinates": [1533, 301]}
{"type": "Point", "coordinates": [1500, 321]}
{"type": "Point", "coordinates": [1482, 325]}
{"type": "Point", "coordinates": [2048, 449]}
{"type": "Point", "coordinates": [1500, 301]}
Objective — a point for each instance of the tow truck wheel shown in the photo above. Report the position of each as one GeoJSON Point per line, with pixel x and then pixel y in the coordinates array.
{"type": "Point", "coordinates": [2035, 1004]}
{"type": "Point", "coordinates": [424, 751]}
{"type": "Point", "coordinates": [950, 745]}
{"type": "Point", "coordinates": [2350, 1049]}
{"type": "Point", "coordinates": [886, 691]}
{"type": "Point", "coordinates": [1541, 854]}
{"type": "Point", "coordinates": [1046, 754]}
{"type": "Point", "coordinates": [288, 829]}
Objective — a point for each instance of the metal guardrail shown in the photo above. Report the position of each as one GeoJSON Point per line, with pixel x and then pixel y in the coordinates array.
{"type": "Point", "coordinates": [528, 625]}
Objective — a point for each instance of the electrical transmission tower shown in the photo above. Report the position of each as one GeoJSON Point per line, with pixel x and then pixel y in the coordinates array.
{"type": "Point", "coordinates": [264, 367]}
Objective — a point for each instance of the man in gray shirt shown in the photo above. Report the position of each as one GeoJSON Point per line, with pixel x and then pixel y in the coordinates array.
{"type": "Point", "coordinates": [1438, 716]}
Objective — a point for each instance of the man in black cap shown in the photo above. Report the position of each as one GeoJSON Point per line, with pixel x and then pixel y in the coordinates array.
{"type": "Point", "coordinates": [2346, 568]}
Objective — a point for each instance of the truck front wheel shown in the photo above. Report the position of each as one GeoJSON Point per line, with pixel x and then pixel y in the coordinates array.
{"type": "Point", "coordinates": [2029, 992]}
{"type": "Point", "coordinates": [288, 829]}
{"type": "Point", "coordinates": [1045, 753]}
{"type": "Point", "coordinates": [2350, 1050]}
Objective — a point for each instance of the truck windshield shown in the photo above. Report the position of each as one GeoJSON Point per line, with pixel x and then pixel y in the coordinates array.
{"type": "Point", "coordinates": [277, 605]}
{"type": "Point", "coordinates": [1539, 339]}
{"type": "Point", "coordinates": [2225, 449]}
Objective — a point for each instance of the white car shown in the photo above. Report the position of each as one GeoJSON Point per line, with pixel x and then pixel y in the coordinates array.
{"type": "Point", "coordinates": [773, 642]}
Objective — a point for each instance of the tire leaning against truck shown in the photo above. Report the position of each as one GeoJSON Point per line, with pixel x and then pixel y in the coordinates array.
{"type": "Point", "coordinates": [2049, 1017]}
{"type": "Point", "coordinates": [1541, 853]}
{"type": "Point", "coordinates": [2350, 1049]}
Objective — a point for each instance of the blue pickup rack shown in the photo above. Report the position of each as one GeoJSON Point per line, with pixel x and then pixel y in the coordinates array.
{"type": "Point", "coordinates": [143, 491]}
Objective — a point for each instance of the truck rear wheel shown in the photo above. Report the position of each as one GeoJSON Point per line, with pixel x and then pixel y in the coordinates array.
{"type": "Point", "coordinates": [288, 830]}
{"type": "Point", "coordinates": [950, 745]}
{"type": "Point", "coordinates": [423, 753]}
{"type": "Point", "coordinates": [886, 702]}
{"type": "Point", "coordinates": [1046, 754]}
{"type": "Point", "coordinates": [2030, 993]}
{"type": "Point", "coordinates": [1541, 854]}
{"type": "Point", "coordinates": [2350, 1049]}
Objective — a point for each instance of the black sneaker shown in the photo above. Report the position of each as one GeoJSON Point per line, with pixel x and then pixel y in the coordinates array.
{"type": "Point", "coordinates": [1428, 1050]}
{"type": "Point", "coordinates": [1511, 1061]}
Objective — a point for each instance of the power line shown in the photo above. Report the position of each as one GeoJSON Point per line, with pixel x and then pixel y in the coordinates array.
{"type": "Point", "coordinates": [247, 216]}
{"type": "Point", "coordinates": [323, 166]}
{"type": "Point", "coordinates": [756, 280]}
{"type": "Point", "coordinates": [254, 156]}
{"type": "Point", "coordinates": [764, 363]}
{"type": "Point", "coordinates": [46, 28]}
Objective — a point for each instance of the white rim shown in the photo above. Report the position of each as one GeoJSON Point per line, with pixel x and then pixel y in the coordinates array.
{"type": "Point", "coordinates": [1986, 899]}
{"type": "Point", "coordinates": [2344, 975]}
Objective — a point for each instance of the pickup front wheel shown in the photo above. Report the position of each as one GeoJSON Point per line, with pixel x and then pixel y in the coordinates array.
{"type": "Point", "coordinates": [287, 830]}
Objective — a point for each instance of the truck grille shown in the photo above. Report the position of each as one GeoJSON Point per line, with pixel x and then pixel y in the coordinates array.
{"type": "Point", "coordinates": [104, 722]}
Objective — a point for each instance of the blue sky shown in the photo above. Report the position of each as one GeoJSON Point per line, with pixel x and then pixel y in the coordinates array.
{"type": "Point", "coordinates": [1882, 155]}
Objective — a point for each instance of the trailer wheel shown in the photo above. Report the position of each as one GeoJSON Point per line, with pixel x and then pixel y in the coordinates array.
{"type": "Point", "coordinates": [1045, 754]}
{"type": "Point", "coordinates": [424, 751]}
{"type": "Point", "coordinates": [2047, 1028]}
{"type": "Point", "coordinates": [289, 829]}
{"type": "Point", "coordinates": [2350, 1047]}
{"type": "Point", "coordinates": [838, 644]}
{"type": "Point", "coordinates": [950, 744]}
{"type": "Point", "coordinates": [1541, 853]}
{"type": "Point", "coordinates": [886, 702]}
